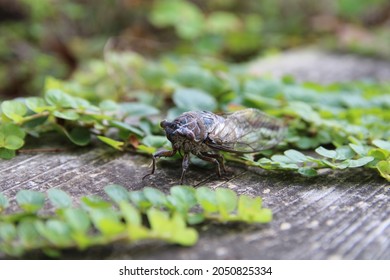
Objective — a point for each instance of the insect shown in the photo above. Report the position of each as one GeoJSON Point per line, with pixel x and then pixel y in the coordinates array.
{"type": "Point", "coordinates": [204, 134]}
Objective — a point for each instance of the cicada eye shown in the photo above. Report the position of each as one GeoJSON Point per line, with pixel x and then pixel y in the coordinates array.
{"type": "Point", "coordinates": [163, 123]}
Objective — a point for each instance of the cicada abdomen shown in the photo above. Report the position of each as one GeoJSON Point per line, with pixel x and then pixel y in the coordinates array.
{"type": "Point", "coordinates": [247, 131]}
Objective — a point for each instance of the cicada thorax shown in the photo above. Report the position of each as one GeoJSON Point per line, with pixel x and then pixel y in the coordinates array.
{"type": "Point", "coordinates": [189, 131]}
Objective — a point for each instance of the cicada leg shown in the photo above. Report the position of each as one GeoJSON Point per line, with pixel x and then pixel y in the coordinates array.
{"type": "Point", "coordinates": [185, 164]}
{"type": "Point", "coordinates": [219, 158]}
{"type": "Point", "coordinates": [164, 153]}
{"type": "Point", "coordinates": [213, 159]}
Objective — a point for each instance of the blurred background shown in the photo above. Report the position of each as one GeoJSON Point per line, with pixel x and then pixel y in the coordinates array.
{"type": "Point", "coordinates": [58, 37]}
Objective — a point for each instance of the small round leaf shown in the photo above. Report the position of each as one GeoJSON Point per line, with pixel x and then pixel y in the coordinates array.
{"type": "Point", "coordinates": [59, 198]}
{"type": "Point", "coordinates": [30, 201]}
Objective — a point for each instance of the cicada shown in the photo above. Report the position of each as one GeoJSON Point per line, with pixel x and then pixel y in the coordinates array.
{"type": "Point", "coordinates": [204, 134]}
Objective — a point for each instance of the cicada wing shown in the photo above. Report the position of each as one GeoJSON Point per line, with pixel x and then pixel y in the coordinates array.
{"type": "Point", "coordinates": [246, 131]}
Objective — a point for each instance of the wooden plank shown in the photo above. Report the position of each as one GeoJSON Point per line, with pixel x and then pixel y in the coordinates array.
{"type": "Point", "coordinates": [339, 215]}
{"type": "Point", "coordinates": [314, 65]}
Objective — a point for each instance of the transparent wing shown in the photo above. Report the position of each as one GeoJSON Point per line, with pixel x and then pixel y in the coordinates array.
{"type": "Point", "coordinates": [246, 131]}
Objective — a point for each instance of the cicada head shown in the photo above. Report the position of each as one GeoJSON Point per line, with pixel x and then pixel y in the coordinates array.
{"type": "Point", "coordinates": [174, 130]}
{"type": "Point", "coordinates": [170, 128]}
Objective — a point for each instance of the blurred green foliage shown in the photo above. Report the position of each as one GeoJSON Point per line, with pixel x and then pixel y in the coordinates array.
{"type": "Point", "coordinates": [345, 124]}
{"type": "Point", "coordinates": [57, 37]}
{"type": "Point", "coordinates": [127, 217]}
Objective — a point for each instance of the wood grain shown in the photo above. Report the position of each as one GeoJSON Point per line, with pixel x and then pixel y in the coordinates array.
{"type": "Point", "coordinates": [337, 215]}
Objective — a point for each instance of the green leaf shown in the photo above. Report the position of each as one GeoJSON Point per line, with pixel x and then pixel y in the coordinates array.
{"type": "Point", "coordinates": [138, 109]}
{"type": "Point", "coordinates": [195, 218]}
{"type": "Point", "coordinates": [207, 199]}
{"type": "Point", "coordinates": [127, 127]}
{"type": "Point", "coordinates": [385, 145]}
{"type": "Point", "coordinates": [336, 165]}
{"type": "Point", "coordinates": [173, 229]}
{"type": "Point", "coordinates": [155, 141]}
{"type": "Point", "coordinates": [108, 105]}
{"type": "Point", "coordinates": [191, 99]}
{"type": "Point", "coordinates": [53, 83]}
{"type": "Point", "coordinates": [159, 221]}
{"type": "Point", "coordinates": [52, 253]}
{"type": "Point", "coordinates": [384, 169]}
{"type": "Point", "coordinates": [3, 202]}
{"type": "Point", "coordinates": [146, 149]}
{"type": "Point", "coordinates": [77, 219]}
{"type": "Point", "coordinates": [79, 135]}
{"type": "Point", "coordinates": [59, 198]}
{"type": "Point", "coordinates": [106, 221]}
{"type": "Point", "coordinates": [359, 149]}
{"type": "Point", "coordinates": [12, 129]}
{"type": "Point", "coordinates": [155, 196]}
{"type": "Point", "coordinates": [139, 199]}
{"type": "Point", "coordinates": [60, 99]}
{"type": "Point", "coordinates": [131, 215]}
{"type": "Point", "coordinates": [305, 143]}
{"type": "Point", "coordinates": [307, 171]}
{"type": "Point", "coordinates": [344, 152]}
{"type": "Point", "coordinates": [325, 152]}
{"type": "Point", "coordinates": [186, 17]}
{"type": "Point", "coordinates": [360, 162]}
{"type": "Point", "coordinates": [249, 210]}
{"type": "Point", "coordinates": [287, 166]}
{"type": "Point", "coordinates": [379, 154]}
{"type": "Point", "coordinates": [295, 156]}
{"type": "Point", "coordinates": [117, 193]}
{"type": "Point", "coordinates": [264, 215]}
{"type": "Point", "coordinates": [191, 22]}
{"type": "Point", "coordinates": [7, 154]}
{"type": "Point", "coordinates": [178, 205]}
{"type": "Point", "coordinates": [30, 201]}
{"type": "Point", "coordinates": [57, 232]}
{"type": "Point", "coordinates": [7, 232]}
{"type": "Point", "coordinates": [260, 101]}
{"type": "Point", "coordinates": [91, 202]}
{"type": "Point", "coordinates": [13, 109]}
{"type": "Point", "coordinates": [200, 78]}
{"type": "Point", "coordinates": [247, 207]}
{"type": "Point", "coordinates": [181, 234]}
{"type": "Point", "coordinates": [67, 115]}
{"type": "Point", "coordinates": [13, 142]}
{"type": "Point", "coordinates": [281, 159]}
{"type": "Point", "coordinates": [222, 22]}
{"type": "Point", "coordinates": [83, 104]}
{"type": "Point", "coordinates": [28, 235]}
{"type": "Point", "coordinates": [185, 194]}
{"type": "Point", "coordinates": [164, 13]}
{"type": "Point", "coordinates": [267, 163]}
{"type": "Point", "coordinates": [227, 201]}
{"type": "Point", "coordinates": [174, 112]}
{"type": "Point", "coordinates": [305, 111]}
{"type": "Point", "coordinates": [38, 104]}
{"type": "Point", "coordinates": [118, 145]}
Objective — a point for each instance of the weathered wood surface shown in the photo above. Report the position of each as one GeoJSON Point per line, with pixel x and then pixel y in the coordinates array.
{"type": "Point", "coordinates": [322, 67]}
{"type": "Point", "coordinates": [337, 215]}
